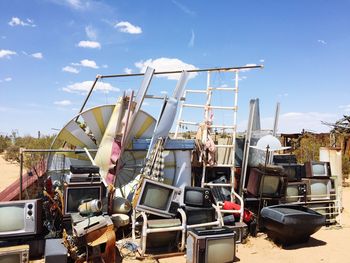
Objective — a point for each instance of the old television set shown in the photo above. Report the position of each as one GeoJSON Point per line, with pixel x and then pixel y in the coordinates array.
{"type": "Point", "coordinates": [14, 254]}
{"type": "Point", "coordinates": [75, 193]}
{"type": "Point", "coordinates": [296, 192]}
{"type": "Point", "coordinates": [294, 172]}
{"type": "Point", "coordinates": [198, 196]}
{"type": "Point", "coordinates": [199, 215]}
{"type": "Point", "coordinates": [210, 245]}
{"type": "Point", "coordinates": [284, 159]}
{"type": "Point", "coordinates": [318, 169]}
{"type": "Point", "coordinates": [265, 184]}
{"type": "Point", "coordinates": [158, 198]}
{"type": "Point", "coordinates": [20, 218]}
{"type": "Point", "coordinates": [318, 189]}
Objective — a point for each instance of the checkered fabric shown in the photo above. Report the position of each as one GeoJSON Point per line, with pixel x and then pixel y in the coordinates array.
{"type": "Point", "coordinates": [154, 167]}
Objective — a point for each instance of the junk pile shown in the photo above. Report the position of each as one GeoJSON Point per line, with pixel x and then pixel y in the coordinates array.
{"type": "Point", "coordinates": [118, 181]}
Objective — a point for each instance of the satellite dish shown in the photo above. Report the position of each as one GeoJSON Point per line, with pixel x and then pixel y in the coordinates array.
{"type": "Point", "coordinates": [269, 143]}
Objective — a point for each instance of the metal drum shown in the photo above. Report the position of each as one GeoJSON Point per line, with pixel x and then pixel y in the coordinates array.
{"type": "Point", "coordinates": [120, 220]}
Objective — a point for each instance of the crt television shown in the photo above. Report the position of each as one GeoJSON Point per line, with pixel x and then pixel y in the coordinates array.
{"type": "Point", "coordinates": [294, 172]}
{"type": "Point", "coordinates": [75, 193]}
{"type": "Point", "coordinates": [158, 198]}
{"type": "Point", "coordinates": [318, 189]}
{"type": "Point", "coordinates": [14, 254]}
{"type": "Point", "coordinates": [318, 169]}
{"type": "Point", "coordinates": [20, 218]}
{"type": "Point", "coordinates": [198, 196]}
{"type": "Point", "coordinates": [296, 192]}
{"type": "Point", "coordinates": [212, 245]}
{"type": "Point", "coordinates": [265, 184]}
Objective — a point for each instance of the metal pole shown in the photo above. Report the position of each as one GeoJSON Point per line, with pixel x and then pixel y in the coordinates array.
{"type": "Point", "coordinates": [20, 173]}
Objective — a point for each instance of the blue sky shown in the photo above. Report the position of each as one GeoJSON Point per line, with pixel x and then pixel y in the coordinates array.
{"type": "Point", "coordinates": [51, 50]}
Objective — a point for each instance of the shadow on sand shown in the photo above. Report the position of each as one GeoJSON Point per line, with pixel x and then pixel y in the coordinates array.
{"type": "Point", "coordinates": [312, 242]}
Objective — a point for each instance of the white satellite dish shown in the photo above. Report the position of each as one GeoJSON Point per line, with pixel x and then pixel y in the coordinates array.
{"type": "Point", "coordinates": [269, 143]}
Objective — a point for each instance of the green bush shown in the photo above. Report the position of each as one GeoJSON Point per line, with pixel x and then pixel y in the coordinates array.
{"type": "Point", "coordinates": [5, 142]}
{"type": "Point", "coordinates": [12, 154]}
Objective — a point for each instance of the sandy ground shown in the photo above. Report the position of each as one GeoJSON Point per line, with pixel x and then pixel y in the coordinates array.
{"type": "Point", "coordinates": [330, 244]}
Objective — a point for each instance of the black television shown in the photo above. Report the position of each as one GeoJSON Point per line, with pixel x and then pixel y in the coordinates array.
{"type": "Point", "coordinates": [318, 169]}
{"type": "Point", "coordinates": [294, 172]}
{"type": "Point", "coordinates": [284, 159]}
{"type": "Point", "coordinates": [20, 218]}
{"type": "Point", "coordinates": [75, 194]}
{"type": "Point", "coordinates": [265, 184]}
{"type": "Point", "coordinates": [296, 192]}
{"type": "Point", "coordinates": [198, 196]}
{"type": "Point", "coordinates": [199, 215]}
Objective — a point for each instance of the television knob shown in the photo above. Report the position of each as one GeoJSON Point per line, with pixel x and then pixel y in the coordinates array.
{"type": "Point", "coordinates": [30, 206]}
{"type": "Point", "coordinates": [206, 196]}
{"type": "Point", "coordinates": [30, 212]}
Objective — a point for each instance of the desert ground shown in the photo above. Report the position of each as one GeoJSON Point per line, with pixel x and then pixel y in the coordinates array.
{"type": "Point", "coordinates": [330, 244]}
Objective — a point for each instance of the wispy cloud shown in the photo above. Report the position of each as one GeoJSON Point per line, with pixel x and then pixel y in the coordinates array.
{"type": "Point", "coordinates": [74, 4]}
{"type": "Point", "coordinates": [166, 64]}
{"type": "Point", "coordinates": [322, 42]}
{"type": "Point", "coordinates": [262, 60]}
{"type": "Point", "coordinates": [128, 70]}
{"type": "Point", "coordinates": [91, 32]}
{"type": "Point", "coordinates": [37, 55]}
{"type": "Point", "coordinates": [7, 79]}
{"type": "Point", "coordinates": [86, 63]}
{"type": "Point", "coordinates": [5, 53]}
{"type": "Point", "coordinates": [15, 21]}
{"type": "Point", "coordinates": [70, 69]}
{"type": "Point", "coordinates": [191, 42]}
{"type": "Point", "coordinates": [85, 86]}
{"type": "Point", "coordinates": [283, 95]}
{"type": "Point", "coordinates": [127, 27]}
{"type": "Point", "coordinates": [63, 103]}
{"type": "Point", "coordinates": [184, 8]}
{"type": "Point", "coordinates": [89, 44]}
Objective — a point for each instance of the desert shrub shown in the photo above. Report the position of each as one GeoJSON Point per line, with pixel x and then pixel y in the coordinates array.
{"type": "Point", "coordinates": [12, 154]}
{"type": "Point", "coordinates": [4, 143]}
{"type": "Point", "coordinates": [346, 166]}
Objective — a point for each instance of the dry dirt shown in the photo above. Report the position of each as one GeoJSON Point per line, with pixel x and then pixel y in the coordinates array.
{"type": "Point", "coordinates": [330, 244]}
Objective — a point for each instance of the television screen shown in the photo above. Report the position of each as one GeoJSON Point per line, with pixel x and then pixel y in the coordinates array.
{"type": "Point", "coordinates": [220, 250]}
{"type": "Point", "coordinates": [270, 185]}
{"type": "Point", "coordinates": [292, 193]}
{"type": "Point", "coordinates": [155, 196]}
{"type": "Point", "coordinates": [317, 169]}
{"type": "Point", "coordinates": [13, 258]}
{"type": "Point", "coordinates": [74, 194]}
{"type": "Point", "coordinates": [14, 218]}
{"type": "Point", "coordinates": [199, 215]}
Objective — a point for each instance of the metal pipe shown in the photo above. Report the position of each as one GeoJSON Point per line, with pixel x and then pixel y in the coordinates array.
{"type": "Point", "coordinates": [180, 71]}
{"type": "Point", "coordinates": [57, 150]}
{"type": "Point", "coordinates": [88, 96]}
{"type": "Point", "coordinates": [21, 174]}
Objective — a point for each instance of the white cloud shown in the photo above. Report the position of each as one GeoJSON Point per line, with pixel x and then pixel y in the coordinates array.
{"type": "Point", "coordinates": [70, 69]}
{"type": "Point", "coordinates": [322, 42]}
{"type": "Point", "coordinates": [8, 79]}
{"type": "Point", "coordinates": [63, 102]}
{"type": "Point", "coordinates": [37, 55]}
{"type": "Point", "coordinates": [164, 92]}
{"type": "Point", "coordinates": [262, 60]}
{"type": "Point", "coordinates": [91, 32]}
{"type": "Point", "coordinates": [127, 27]}
{"type": "Point", "coordinates": [5, 53]}
{"type": "Point", "coordinates": [15, 21]}
{"type": "Point", "coordinates": [86, 63]}
{"type": "Point", "coordinates": [191, 42]}
{"type": "Point", "coordinates": [89, 44]}
{"type": "Point", "coordinates": [295, 122]}
{"type": "Point", "coordinates": [283, 95]}
{"type": "Point", "coordinates": [85, 86]}
{"type": "Point", "coordinates": [346, 108]}
{"type": "Point", "coordinates": [166, 64]}
{"type": "Point", "coordinates": [128, 70]}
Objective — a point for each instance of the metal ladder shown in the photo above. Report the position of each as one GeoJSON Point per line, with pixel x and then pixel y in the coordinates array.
{"type": "Point", "coordinates": [230, 147]}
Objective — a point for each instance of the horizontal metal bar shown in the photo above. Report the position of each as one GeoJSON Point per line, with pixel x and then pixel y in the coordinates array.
{"type": "Point", "coordinates": [209, 107]}
{"type": "Point", "coordinates": [189, 122]}
{"type": "Point", "coordinates": [193, 105]}
{"type": "Point", "coordinates": [221, 165]}
{"type": "Point", "coordinates": [55, 150]}
{"type": "Point", "coordinates": [180, 71]}
{"type": "Point", "coordinates": [195, 91]}
{"type": "Point", "coordinates": [224, 89]}
{"type": "Point", "coordinates": [222, 126]}
{"type": "Point", "coordinates": [214, 184]}
{"type": "Point", "coordinates": [225, 146]}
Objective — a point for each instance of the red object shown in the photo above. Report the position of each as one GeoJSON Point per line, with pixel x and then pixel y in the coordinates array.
{"type": "Point", "coordinates": [247, 215]}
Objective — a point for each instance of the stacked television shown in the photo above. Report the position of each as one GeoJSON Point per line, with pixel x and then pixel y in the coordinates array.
{"type": "Point", "coordinates": [310, 184]}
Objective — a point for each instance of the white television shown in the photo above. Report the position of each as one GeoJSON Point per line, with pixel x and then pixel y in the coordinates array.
{"type": "Point", "coordinates": [20, 218]}
{"type": "Point", "coordinates": [14, 254]}
{"type": "Point", "coordinates": [318, 189]}
{"type": "Point", "coordinates": [213, 245]}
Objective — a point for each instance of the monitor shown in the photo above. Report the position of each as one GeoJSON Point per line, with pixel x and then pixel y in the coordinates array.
{"type": "Point", "coordinates": [198, 196]}
{"type": "Point", "coordinates": [14, 254]}
{"type": "Point", "coordinates": [266, 185]}
{"type": "Point", "coordinates": [214, 245]}
{"type": "Point", "coordinates": [20, 218]}
{"type": "Point", "coordinates": [294, 172]}
{"type": "Point", "coordinates": [318, 189]}
{"type": "Point", "coordinates": [158, 198]}
{"type": "Point", "coordinates": [75, 194]}
{"type": "Point", "coordinates": [318, 169]}
{"type": "Point", "coordinates": [296, 192]}
{"type": "Point", "coordinates": [199, 215]}
{"type": "Point", "coordinates": [284, 159]}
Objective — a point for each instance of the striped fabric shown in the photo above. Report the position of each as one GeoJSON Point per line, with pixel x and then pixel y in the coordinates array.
{"type": "Point", "coordinates": [154, 168]}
